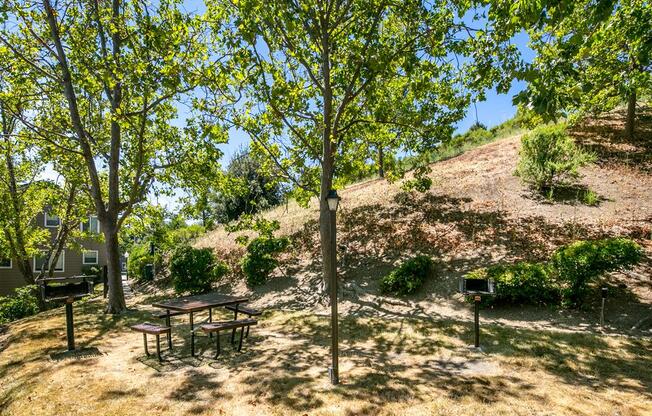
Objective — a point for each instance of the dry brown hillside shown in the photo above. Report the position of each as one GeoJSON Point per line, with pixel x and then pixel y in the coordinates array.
{"type": "Point", "coordinates": [476, 214]}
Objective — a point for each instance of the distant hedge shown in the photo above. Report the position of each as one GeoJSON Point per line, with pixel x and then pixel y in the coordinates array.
{"type": "Point", "coordinates": [549, 158]}
{"type": "Point", "coordinates": [565, 279]}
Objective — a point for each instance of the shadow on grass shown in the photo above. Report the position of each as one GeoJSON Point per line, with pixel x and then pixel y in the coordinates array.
{"type": "Point", "coordinates": [395, 360]}
{"type": "Point", "coordinates": [573, 194]}
{"type": "Point", "coordinates": [604, 135]}
{"type": "Point", "coordinates": [386, 360]}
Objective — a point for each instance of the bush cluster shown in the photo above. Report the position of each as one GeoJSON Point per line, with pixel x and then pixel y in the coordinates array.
{"type": "Point", "coordinates": [408, 277]}
{"type": "Point", "coordinates": [520, 283]}
{"type": "Point", "coordinates": [261, 258]}
{"type": "Point", "coordinates": [262, 252]}
{"type": "Point", "coordinates": [21, 304]}
{"type": "Point", "coordinates": [139, 257]}
{"type": "Point", "coordinates": [549, 158]}
{"type": "Point", "coordinates": [566, 278]}
{"type": "Point", "coordinates": [577, 264]}
{"type": "Point", "coordinates": [194, 270]}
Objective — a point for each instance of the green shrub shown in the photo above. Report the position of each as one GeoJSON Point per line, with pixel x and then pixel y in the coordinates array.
{"type": "Point", "coordinates": [94, 271]}
{"type": "Point", "coordinates": [549, 158]}
{"type": "Point", "coordinates": [261, 258]}
{"type": "Point", "coordinates": [21, 304]}
{"type": "Point", "coordinates": [195, 269]}
{"type": "Point", "coordinates": [262, 251]}
{"type": "Point", "coordinates": [479, 135]}
{"type": "Point", "coordinates": [565, 278]}
{"type": "Point", "coordinates": [139, 257]}
{"type": "Point", "coordinates": [577, 264]}
{"type": "Point", "coordinates": [408, 277]}
{"type": "Point", "coordinates": [421, 181]}
{"type": "Point", "coordinates": [590, 198]}
{"type": "Point", "coordinates": [520, 283]}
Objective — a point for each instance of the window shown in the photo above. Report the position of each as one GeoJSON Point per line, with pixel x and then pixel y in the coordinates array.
{"type": "Point", "coordinates": [91, 226]}
{"type": "Point", "coordinates": [5, 263]}
{"type": "Point", "coordinates": [90, 257]}
{"type": "Point", "coordinates": [40, 260]}
{"type": "Point", "coordinates": [52, 221]}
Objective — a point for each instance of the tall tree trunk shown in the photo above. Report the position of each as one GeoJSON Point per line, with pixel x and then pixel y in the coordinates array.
{"type": "Point", "coordinates": [107, 213]}
{"type": "Point", "coordinates": [116, 300]}
{"type": "Point", "coordinates": [381, 162]}
{"type": "Point", "coordinates": [325, 232]}
{"type": "Point", "coordinates": [631, 115]}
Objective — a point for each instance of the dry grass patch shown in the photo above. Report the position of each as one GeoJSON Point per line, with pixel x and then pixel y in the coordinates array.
{"type": "Point", "coordinates": [399, 365]}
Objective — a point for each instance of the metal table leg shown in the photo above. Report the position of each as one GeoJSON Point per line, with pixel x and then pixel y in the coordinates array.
{"type": "Point", "coordinates": [210, 319]}
{"type": "Point", "coordinates": [240, 344]}
{"type": "Point", "coordinates": [192, 336]}
{"type": "Point", "coordinates": [158, 347]}
{"type": "Point", "coordinates": [167, 323]}
{"type": "Point", "coordinates": [235, 318]}
{"type": "Point", "coordinates": [217, 344]}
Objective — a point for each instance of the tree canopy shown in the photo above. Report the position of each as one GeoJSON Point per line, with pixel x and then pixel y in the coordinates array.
{"type": "Point", "coordinates": [590, 56]}
{"type": "Point", "coordinates": [313, 79]}
{"type": "Point", "coordinates": [108, 77]}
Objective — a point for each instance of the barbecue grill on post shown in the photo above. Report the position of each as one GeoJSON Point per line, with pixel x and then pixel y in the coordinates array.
{"type": "Point", "coordinates": [66, 289]}
{"type": "Point", "coordinates": [477, 288]}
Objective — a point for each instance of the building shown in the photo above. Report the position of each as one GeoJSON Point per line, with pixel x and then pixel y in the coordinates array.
{"type": "Point", "coordinates": [90, 252]}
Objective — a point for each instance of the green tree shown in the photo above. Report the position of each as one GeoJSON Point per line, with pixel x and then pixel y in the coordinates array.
{"type": "Point", "coordinates": [249, 188]}
{"type": "Point", "coordinates": [111, 73]}
{"type": "Point", "coordinates": [591, 56]}
{"type": "Point", "coordinates": [23, 196]}
{"type": "Point", "coordinates": [549, 158]}
{"type": "Point", "coordinates": [310, 76]}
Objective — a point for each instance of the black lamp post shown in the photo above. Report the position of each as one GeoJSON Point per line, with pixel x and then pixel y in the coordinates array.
{"type": "Point", "coordinates": [333, 201]}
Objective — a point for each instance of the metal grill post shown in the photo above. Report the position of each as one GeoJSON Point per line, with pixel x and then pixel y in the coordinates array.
{"type": "Point", "coordinates": [70, 330]}
{"type": "Point", "coordinates": [335, 374]}
{"type": "Point", "coordinates": [477, 321]}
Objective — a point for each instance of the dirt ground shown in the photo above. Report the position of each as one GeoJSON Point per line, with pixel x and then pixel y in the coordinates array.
{"type": "Point", "coordinates": [398, 365]}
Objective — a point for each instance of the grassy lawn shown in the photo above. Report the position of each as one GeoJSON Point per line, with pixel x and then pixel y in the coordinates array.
{"type": "Point", "coordinates": [396, 365]}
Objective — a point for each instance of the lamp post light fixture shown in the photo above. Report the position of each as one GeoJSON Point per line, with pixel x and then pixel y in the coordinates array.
{"type": "Point", "coordinates": [126, 265]}
{"type": "Point", "coordinates": [333, 201]}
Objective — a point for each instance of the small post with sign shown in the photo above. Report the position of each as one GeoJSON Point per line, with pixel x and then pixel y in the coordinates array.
{"type": "Point", "coordinates": [477, 288]}
{"type": "Point", "coordinates": [70, 328]}
{"type": "Point", "coordinates": [476, 300]}
{"type": "Point", "coordinates": [604, 298]}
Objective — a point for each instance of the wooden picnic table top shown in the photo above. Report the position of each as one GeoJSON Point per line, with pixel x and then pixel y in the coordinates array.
{"type": "Point", "coordinates": [199, 302]}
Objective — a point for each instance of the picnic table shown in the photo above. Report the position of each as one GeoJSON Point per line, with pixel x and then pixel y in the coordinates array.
{"type": "Point", "coordinates": [196, 303]}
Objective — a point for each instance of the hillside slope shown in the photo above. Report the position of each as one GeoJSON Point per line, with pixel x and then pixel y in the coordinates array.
{"type": "Point", "coordinates": [477, 213]}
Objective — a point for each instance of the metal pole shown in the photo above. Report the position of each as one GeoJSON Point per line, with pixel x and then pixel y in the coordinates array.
{"type": "Point", "coordinates": [477, 321]}
{"type": "Point", "coordinates": [335, 377]}
{"type": "Point", "coordinates": [602, 313]}
{"type": "Point", "coordinates": [70, 331]}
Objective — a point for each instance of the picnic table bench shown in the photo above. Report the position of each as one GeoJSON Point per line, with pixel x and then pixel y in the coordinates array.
{"type": "Point", "coordinates": [245, 310]}
{"type": "Point", "coordinates": [226, 325]}
{"type": "Point", "coordinates": [152, 329]}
